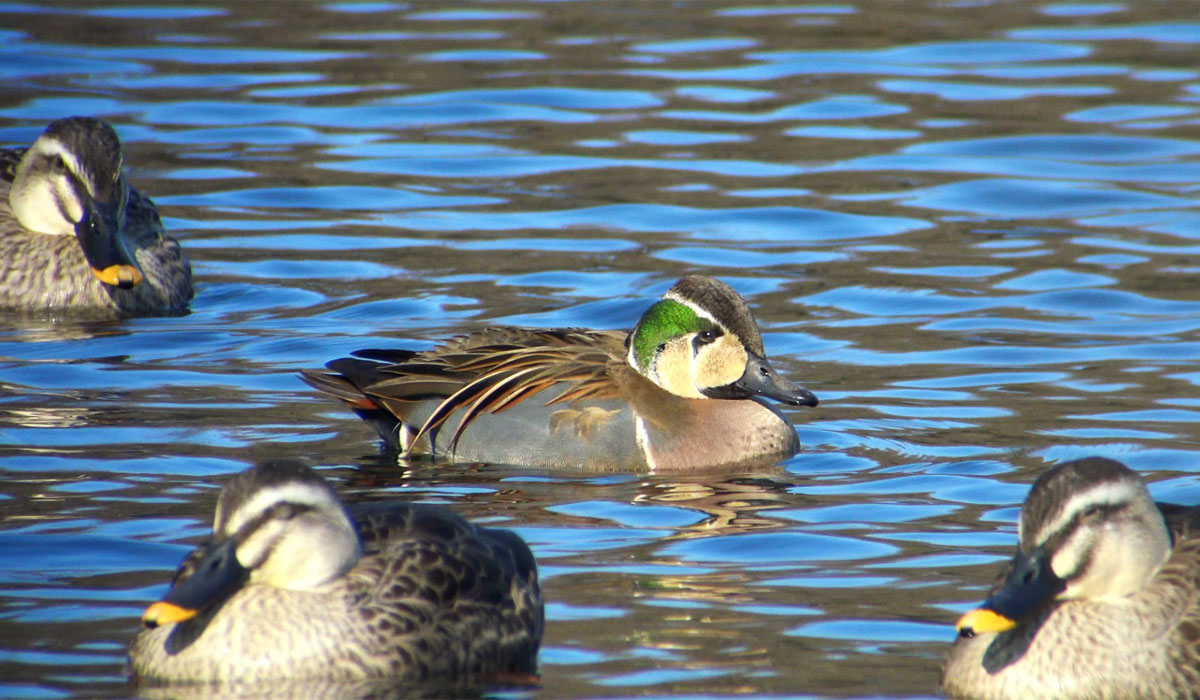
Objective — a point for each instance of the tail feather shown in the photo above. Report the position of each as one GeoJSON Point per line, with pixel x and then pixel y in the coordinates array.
{"type": "Point", "coordinates": [338, 387]}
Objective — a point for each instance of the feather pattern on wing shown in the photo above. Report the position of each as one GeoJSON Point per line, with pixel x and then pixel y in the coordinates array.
{"type": "Point", "coordinates": [484, 372]}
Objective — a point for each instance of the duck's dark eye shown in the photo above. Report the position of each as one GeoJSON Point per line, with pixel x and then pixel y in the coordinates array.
{"type": "Point", "coordinates": [284, 511]}
{"type": "Point", "coordinates": [705, 337]}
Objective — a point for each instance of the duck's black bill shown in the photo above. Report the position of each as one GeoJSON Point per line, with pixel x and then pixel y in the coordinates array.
{"type": "Point", "coordinates": [104, 247]}
{"type": "Point", "coordinates": [208, 575]}
{"type": "Point", "coordinates": [760, 379]}
{"type": "Point", "coordinates": [1031, 583]}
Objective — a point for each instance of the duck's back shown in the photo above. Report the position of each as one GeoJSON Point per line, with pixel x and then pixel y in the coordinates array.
{"type": "Point", "coordinates": [432, 597]}
{"type": "Point", "coordinates": [445, 597]}
{"type": "Point", "coordinates": [544, 397]}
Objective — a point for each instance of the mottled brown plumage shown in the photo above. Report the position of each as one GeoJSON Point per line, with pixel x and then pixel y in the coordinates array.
{"type": "Point", "coordinates": [1101, 605]}
{"type": "Point", "coordinates": [79, 159]}
{"type": "Point", "coordinates": [431, 596]}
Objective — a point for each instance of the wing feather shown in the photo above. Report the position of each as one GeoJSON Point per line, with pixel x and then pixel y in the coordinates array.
{"type": "Point", "coordinates": [485, 372]}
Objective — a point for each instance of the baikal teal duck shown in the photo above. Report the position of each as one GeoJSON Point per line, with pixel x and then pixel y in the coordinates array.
{"type": "Point", "coordinates": [682, 391]}
{"type": "Point", "coordinates": [291, 589]}
{"type": "Point", "coordinates": [74, 236]}
{"type": "Point", "coordinates": [1102, 599]}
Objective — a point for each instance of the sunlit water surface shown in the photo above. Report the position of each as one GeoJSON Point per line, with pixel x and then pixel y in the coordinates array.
{"type": "Point", "coordinates": [970, 228]}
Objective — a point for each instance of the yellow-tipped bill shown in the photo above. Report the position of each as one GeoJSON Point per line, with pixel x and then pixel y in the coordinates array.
{"type": "Point", "coordinates": [163, 613]}
{"type": "Point", "coordinates": [123, 276]}
{"type": "Point", "coordinates": [984, 620]}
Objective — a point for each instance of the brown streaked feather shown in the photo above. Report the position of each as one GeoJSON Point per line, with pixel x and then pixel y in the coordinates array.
{"type": "Point", "coordinates": [430, 596]}
{"type": "Point", "coordinates": [484, 372]}
{"type": "Point", "coordinates": [507, 377]}
{"type": "Point", "coordinates": [334, 385]}
{"type": "Point", "coordinates": [418, 386]}
{"type": "Point", "coordinates": [485, 402]}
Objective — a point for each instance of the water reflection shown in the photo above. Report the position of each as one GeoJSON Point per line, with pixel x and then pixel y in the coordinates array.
{"type": "Point", "coordinates": [968, 228]}
{"type": "Point", "coordinates": [730, 505]}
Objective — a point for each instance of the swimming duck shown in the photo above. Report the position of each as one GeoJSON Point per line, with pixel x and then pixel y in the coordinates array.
{"type": "Point", "coordinates": [681, 391]}
{"type": "Point", "coordinates": [290, 587]}
{"type": "Point", "coordinates": [75, 235]}
{"type": "Point", "coordinates": [1102, 599]}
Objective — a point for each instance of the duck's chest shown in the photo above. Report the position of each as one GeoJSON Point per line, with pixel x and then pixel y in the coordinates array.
{"type": "Point", "coordinates": [1080, 650]}
{"type": "Point", "coordinates": [44, 271]}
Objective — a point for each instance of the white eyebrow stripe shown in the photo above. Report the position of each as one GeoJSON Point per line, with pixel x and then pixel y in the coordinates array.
{"type": "Point", "coordinates": [701, 312]}
{"type": "Point", "coordinates": [53, 147]}
{"type": "Point", "coordinates": [260, 502]}
{"type": "Point", "coordinates": [1110, 493]}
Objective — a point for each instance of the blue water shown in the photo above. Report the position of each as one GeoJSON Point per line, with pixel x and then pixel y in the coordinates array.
{"type": "Point", "coordinates": [971, 229]}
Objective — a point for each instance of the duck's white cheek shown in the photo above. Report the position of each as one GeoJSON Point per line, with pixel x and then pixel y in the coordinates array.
{"type": "Point", "coordinates": [40, 208]}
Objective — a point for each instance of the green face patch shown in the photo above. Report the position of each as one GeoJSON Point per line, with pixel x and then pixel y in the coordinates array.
{"type": "Point", "coordinates": [665, 320]}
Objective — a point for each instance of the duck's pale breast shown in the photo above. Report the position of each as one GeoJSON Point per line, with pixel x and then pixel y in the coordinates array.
{"type": "Point", "coordinates": [718, 433]}
{"type": "Point", "coordinates": [259, 633]}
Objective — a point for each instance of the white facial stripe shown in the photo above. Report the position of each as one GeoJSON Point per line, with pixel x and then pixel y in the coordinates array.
{"type": "Point", "coordinates": [52, 147]}
{"type": "Point", "coordinates": [303, 553]}
{"type": "Point", "coordinates": [1112, 558]}
{"type": "Point", "coordinates": [290, 492]}
{"type": "Point", "coordinates": [43, 198]}
{"type": "Point", "coordinates": [1106, 494]}
{"type": "Point", "coordinates": [702, 313]}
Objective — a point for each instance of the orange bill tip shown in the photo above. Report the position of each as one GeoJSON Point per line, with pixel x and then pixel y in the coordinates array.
{"type": "Point", "coordinates": [123, 276]}
{"type": "Point", "coordinates": [984, 620]}
{"type": "Point", "coordinates": [162, 613]}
